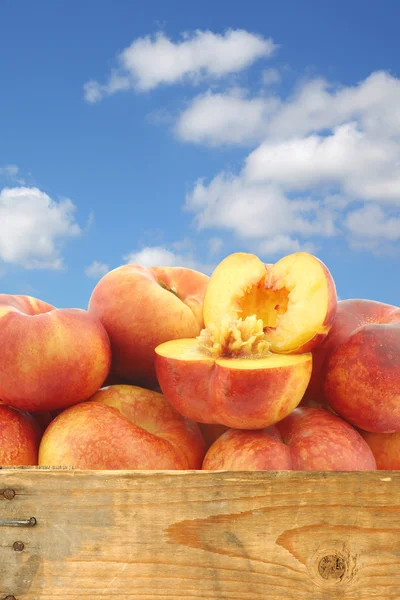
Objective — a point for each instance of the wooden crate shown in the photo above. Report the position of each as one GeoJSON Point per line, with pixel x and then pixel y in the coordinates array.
{"type": "Point", "coordinates": [189, 535]}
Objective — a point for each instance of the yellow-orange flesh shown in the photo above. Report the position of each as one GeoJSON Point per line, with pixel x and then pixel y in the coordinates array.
{"type": "Point", "coordinates": [292, 302]}
{"type": "Point", "coordinates": [187, 350]}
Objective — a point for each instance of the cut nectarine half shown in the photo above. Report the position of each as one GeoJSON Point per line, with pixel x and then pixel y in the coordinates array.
{"type": "Point", "coordinates": [295, 299]}
{"type": "Point", "coordinates": [246, 392]}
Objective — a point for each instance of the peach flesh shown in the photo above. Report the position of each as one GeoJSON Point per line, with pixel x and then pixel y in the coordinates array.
{"type": "Point", "coordinates": [298, 289]}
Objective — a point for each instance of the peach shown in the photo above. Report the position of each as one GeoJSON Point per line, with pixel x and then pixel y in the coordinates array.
{"type": "Point", "coordinates": [309, 439]}
{"type": "Point", "coordinates": [19, 438]}
{"type": "Point", "coordinates": [350, 315]}
{"type": "Point", "coordinates": [244, 393]}
{"type": "Point", "coordinates": [358, 366]}
{"type": "Point", "coordinates": [122, 427]}
{"type": "Point", "coordinates": [51, 358]}
{"type": "Point", "coordinates": [241, 450]}
{"type": "Point", "coordinates": [385, 448]}
{"type": "Point", "coordinates": [142, 307]}
{"type": "Point", "coordinates": [295, 299]}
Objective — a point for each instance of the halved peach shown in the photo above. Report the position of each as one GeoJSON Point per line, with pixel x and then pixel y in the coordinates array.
{"type": "Point", "coordinates": [250, 391]}
{"type": "Point", "coordinates": [295, 299]}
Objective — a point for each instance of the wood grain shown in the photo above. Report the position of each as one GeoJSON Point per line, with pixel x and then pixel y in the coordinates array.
{"type": "Point", "coordinates": [191, 535]}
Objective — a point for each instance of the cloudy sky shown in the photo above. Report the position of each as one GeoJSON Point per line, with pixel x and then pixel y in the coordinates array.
{"type": "Point", "coordinates": [175, 133]}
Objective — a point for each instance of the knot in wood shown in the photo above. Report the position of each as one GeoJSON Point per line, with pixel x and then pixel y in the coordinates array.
{"type": "Point", "coordinates": [18, 546]}
{"type": "Point", "coordinates": [332, 566]}
{"type": "Point", "coordinates": [9, 494]}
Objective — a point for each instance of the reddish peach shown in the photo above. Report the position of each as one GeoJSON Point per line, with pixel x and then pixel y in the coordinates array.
{"type": "Point", "coordinates": [386, 449]}
{"type": "Point", "coordinates": [240, 450]}
{"type": "Point", "coordinates": [142, 307]}
{"type": "Point", "coordinates": [309, 439]}
{"type": "Point", "coordinates": [19, 438]}
{"type": "Point", "coordinates": [350, 316]}
{"type": "Point", "coordinates": [123, 427]}
{"type": "Point", "coordinates": [51, 358]}
{"type": "Point", "coordinates": [360, 372]}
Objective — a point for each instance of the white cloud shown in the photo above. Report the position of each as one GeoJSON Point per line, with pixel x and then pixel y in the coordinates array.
{"type": "Point", "coordinates": [255, 210]}
{"type": "Point", "coordinates": [152, 61]}
{"type": "Point", "coordinates": [160, 256]}
{"type": "Point", "coordinates": [153, 256]}
{"type": "Point", "coordinates": [363, 166]}
{"type": "Point", "coordinates": [316, 106]}
{"type": "Point", "coordinates": [33, 228]}
{"type": "Point", "coordinates": [92, 91]}
{"type": "Point", "coordinates": [324, 150]}
{"type": "Point", "coordinates": [281, 245]}
{"type": "Point", "coordinates": [97, 269]}
{"type": "Point", "coordinates": [225, 118]}
{"type": "Point", "coordinates": [271, 76]}
{"type": "Point", "coordinates": [370, 227]}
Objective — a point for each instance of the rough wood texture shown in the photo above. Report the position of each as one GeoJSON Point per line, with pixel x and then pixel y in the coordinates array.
{"type": "Point", "coordinates": [190, 535]}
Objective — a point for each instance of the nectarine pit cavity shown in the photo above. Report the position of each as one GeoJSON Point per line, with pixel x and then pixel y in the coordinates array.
{"type": "Point", "coordinates": [266, 301]}
{"type": "Point", "coordinates": [294, 300]}
{"type": "Point", "coordinates": [259, 307]}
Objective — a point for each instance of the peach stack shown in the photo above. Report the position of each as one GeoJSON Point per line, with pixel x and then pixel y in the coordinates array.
{"type": "Point", "coordinates": [246, 373]}
{"type": "Point", "coordinates": [57, 364]}
{"type": "Point", "coordinates": [356, 374]}
{"type": "Point", "coordinates": [255, 367]}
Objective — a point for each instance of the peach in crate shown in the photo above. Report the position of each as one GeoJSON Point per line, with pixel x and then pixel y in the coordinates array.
{"type": "Point", "coordinates": [309, 439]}
{"type": "Point", "coordinates": [251, 364]}
{"type": "Point", "coordinates": [357, 367]}
{"type": "Point", "coordinates": [51, 358]}
{"type": "Point", "coordinates": [19, 438]}
{"type": "Point", "coordinates": [142, 307]}
{"type": "Point", "coordinates": [122, 427]}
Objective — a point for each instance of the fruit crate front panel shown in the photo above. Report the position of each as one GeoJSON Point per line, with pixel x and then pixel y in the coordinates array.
{"type": "Point", "coordinates": [167, 535]}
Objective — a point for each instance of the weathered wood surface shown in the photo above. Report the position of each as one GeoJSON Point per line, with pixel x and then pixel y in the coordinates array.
{"type": "Point", "coordinates": [191, 535]}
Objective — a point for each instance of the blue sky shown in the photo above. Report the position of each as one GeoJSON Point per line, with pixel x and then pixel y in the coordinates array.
{"type": "Point", "coordinates": [178, 132]}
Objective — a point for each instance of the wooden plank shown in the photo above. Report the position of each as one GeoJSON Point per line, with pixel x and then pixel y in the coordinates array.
{"type": "Point", "coordinates": [191, 535]}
